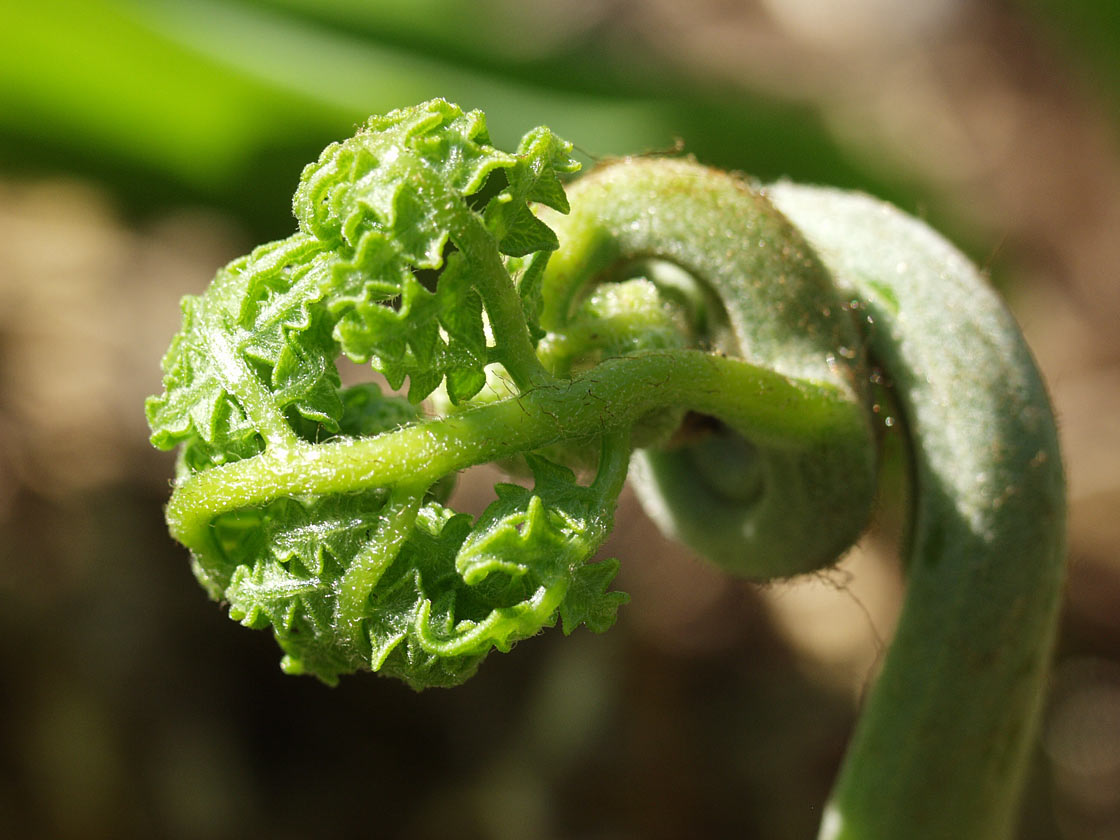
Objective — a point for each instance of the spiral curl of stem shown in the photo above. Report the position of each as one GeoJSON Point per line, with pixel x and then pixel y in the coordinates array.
{"type": "Point", "coordinates": [725, 332]}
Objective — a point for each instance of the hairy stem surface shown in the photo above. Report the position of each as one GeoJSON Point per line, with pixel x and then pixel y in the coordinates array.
{"type": "Point", "coordinates": [780, 412]}
{"type": "Point", "coordinates": [942, 745]}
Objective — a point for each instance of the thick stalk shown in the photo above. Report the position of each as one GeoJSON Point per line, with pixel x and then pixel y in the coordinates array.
{"type": "Point", "coordinates": [764, 297]}
{"type": "Point", "coordinates": [941, 747]}
{"type": "Point", "coordinates": [804, 419]}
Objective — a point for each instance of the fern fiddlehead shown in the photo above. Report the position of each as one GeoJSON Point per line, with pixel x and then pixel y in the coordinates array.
{"type": "Point", "coordinates": [671, 308]}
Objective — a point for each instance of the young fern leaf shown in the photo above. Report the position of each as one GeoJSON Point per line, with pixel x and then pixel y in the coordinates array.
{"type": "Point", "coordinates": [442, 596]}
{"type": "Point", "coordinates": [390, 199]}
{"type": "Point", "coordinates": [539, 540]}
{"type": "Point", "coordinates": [255, 354]}
{"type": "Point", "coordinates": [541, 159]}
{"type": "Point", "coordinates": [676, 309]}
{"type": "Point", "coordinates": [376, 576]}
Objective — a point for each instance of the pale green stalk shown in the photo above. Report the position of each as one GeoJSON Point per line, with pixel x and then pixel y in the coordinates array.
{"type": "Point", "coordinates": [785, 414]}
{"type": "Point", "coordinates": [507, 321]}
{"type": "Point", "coordinates": [943, 744]}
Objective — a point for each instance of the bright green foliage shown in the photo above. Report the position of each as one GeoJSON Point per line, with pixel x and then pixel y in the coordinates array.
{"type": "Point", "coordinates": [255, 351]}
{"type": "Point", "coordinates": [317, 510]}
{"type": "Point", "coordinates": [254, 361]}
{"type": "Point", "coordinates": [444, 600]}
{"type": "Point", "coordinates": [389, 200]}
{"type": "Point", "coordinates": [374, 577]}
{"type": "Point", "coordinates": [532, 539]}
{"type": "Point", "coordinates": [437, 607]}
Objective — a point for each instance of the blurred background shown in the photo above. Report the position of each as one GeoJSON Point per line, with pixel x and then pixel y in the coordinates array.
{"type": "Point", "coordinates": [144, 144]}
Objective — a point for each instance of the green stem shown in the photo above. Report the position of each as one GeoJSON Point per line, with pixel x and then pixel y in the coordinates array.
{"type": "Point", "coordinates": [941, 749]}
{"type": "Point", "coordinates": [254, 399]}
{"type": "Point", "coordinates": [942, 746]}
{"type": "Point", "coordinates": [806, 420]}
{"type": "Point", "coordinates": [369, 565]}
{"type": "Point", "coordinates": [514, 347]}
{"type": "Point", "coordinates": [768, 300]}
{"type": "Point", "coordinates": [614, 463]}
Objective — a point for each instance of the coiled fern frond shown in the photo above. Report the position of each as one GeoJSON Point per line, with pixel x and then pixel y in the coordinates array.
{"type": "Point", "coordinates": [724, 333]}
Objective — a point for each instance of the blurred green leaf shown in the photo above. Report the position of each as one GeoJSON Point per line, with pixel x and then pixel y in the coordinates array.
{"type": "Point", "coordinates": [94, 74]}
{"type": "Point", "coordinates": [227, 100]}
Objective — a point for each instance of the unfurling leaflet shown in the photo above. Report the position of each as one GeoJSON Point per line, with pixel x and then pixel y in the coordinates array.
{"type": "Point", "coordinates": [377, 573]}
{"type": "Point", "coordinates": [723, 334]}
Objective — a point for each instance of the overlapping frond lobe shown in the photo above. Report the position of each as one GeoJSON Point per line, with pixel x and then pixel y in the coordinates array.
{"type": "Point", "coordinates": [255, 358]}
{"type": "Point", "coordinates": [406, 233]}
{"type": "Point", "coordinates": [451, 594]}
{"type": "Point", "coordinates": [397, 198]}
